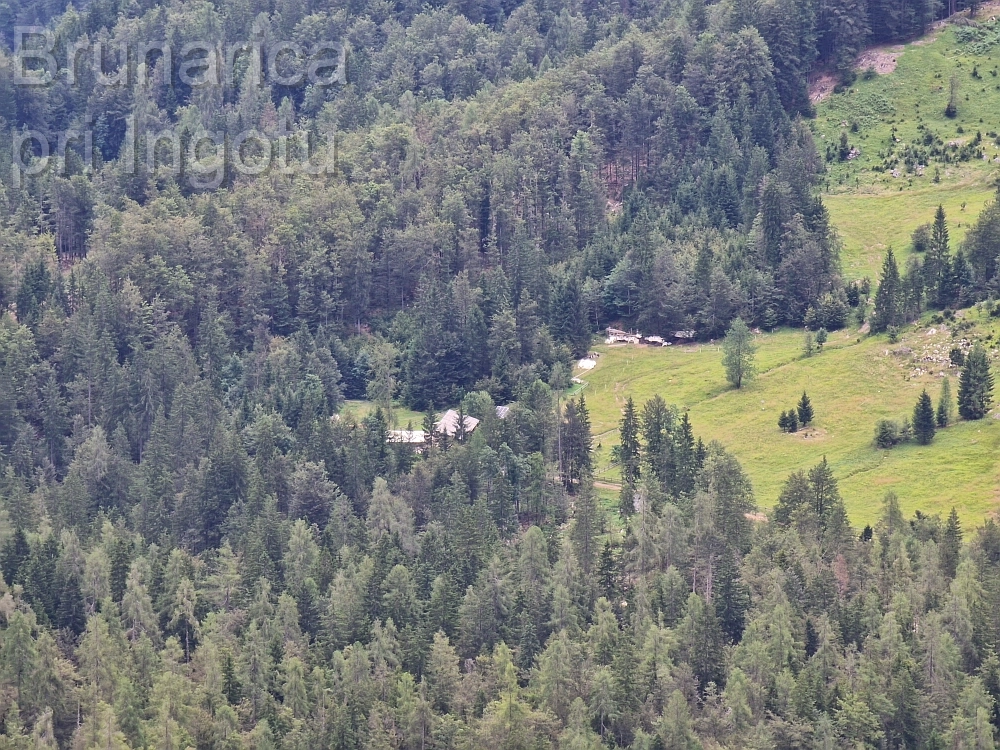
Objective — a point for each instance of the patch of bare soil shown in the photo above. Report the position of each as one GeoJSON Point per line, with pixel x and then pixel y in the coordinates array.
{"type": "Point", "coordinates": [821, 86]}
{"type": "Point", "coordinates": [882, 59]}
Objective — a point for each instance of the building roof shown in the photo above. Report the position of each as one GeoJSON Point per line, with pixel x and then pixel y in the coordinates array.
{"type": "Point", "coordinates": [502, 412]}
{"type": "Point", "coordinates": [448, 424]}
{"type": "Point", "coordinates": [407, 436]}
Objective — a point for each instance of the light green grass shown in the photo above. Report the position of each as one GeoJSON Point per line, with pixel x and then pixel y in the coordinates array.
{"type": "Point", "coordinates": [852, 385]}
{"type": "Point", "coordinates": [869, 223]}
{"type": "Point", "coordinates": [872, 209]}
{"type": "Point", "coordinates": [401, 416]}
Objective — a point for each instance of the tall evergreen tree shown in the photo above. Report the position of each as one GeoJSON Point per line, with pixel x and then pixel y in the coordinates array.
{"type": "Point", "coordinates": [804, 410]}
{"type": "Point", "coordinates": [975, 387]}
{"type": "Point", "coordinates": [889, 298]}
{"type": "Point", "coordinates": [951, 544]}
{"type": "Point", "coordinates": [923, 419]}
{"type": "Point", "coordinates": [937, 264]}
{"type": "Point", "coordinates": [629, 456]}
{"type": "Point", "coordinates": [576, 442]}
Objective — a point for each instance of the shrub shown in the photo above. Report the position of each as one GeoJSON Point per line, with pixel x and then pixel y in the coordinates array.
{"type": "Point", "coordinates": [887, 434]}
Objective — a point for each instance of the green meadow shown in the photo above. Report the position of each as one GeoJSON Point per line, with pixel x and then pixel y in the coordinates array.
{"type": "Point", "coordinates": [884, 115]}
{"type": "Point", "coordinates": [852, 385]}
{"type": "Point", "coordinates": [907, 161]}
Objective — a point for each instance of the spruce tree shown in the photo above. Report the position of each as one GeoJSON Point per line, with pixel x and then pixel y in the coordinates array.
{"type": "Point", "coordinates": [951, 545]}
{"type": "Point", "coordinates": [975, 387]}
{"type": "Point", "coordinates": [628, 432]}
{"type": "Point", "coordinates": [783, 421]}
{"type": "Point", "coordinates": [793, 421]}
{"type": "Point", "coordinates": [805, 410]}
{"type": "Point", "coordinates": [923, 419]}
{"type": "Point", "coordinates": [888, 298]}
{"type": "Point", "coordinates": [738, 354]}
{"type": "Point", "coordinates": [944, 404]}
{"type": "Point", "coordinates": [936, 264]}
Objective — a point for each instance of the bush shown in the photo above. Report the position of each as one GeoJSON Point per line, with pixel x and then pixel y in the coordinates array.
{"type": "Point", "coordinates": [920, 240]}
{"type": "Point", "coordinates": [887, 434]}
{"type": "Point", "coordinates": [869, 73]}
{"type": "Point", "coordinates": [956, 356]}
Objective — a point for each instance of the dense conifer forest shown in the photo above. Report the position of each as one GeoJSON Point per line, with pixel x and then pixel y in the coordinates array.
{"type": "Point", "coordinates": [201, 547]}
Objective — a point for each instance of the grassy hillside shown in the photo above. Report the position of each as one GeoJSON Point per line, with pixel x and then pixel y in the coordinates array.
{"type": "Point", "coordinates": [852, 384]}
{"type": "Point", "coordinates": [897, 121]}
{"type": "Point", "coordinates": [908, 157]}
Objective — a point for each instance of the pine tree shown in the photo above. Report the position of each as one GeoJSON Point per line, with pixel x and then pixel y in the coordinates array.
{"type": "Point", "coordinates": [944, 407]}
{"type": "Point", "coordinates": [629, 455]}
{"type": "Point", "coordinates": [738, 354]}
{"type": "Point", "coordinates": [808, 345]}
{"type": "Point", "coordinates": [923, 419]}
{"type": "Point", "coordinates": [783, 421]}
{"type": "Point", "coordinates": [793, 421]}
{"type": "Point", "coordinates": [951, 545]}
{"type": "Point", "coordinates": [805, 410]}
{"type": "Point", "coordinates": [888, 298]}
{"type": "Point", "coordinates": [975, 387]}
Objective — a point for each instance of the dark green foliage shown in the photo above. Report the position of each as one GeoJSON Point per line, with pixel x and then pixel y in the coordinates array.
{"type": "Point", "coordinates": [789, 421]}
{"type": "Point", "coordinates": [888, 298]}
{"type": "Point", "coordinates": [951, 545]}
{"type": "Point", "coordinates": [629, 455]}
{"type": "Point", "coordinates": [924, 421]}
{"type": "Point", "coordinates": [203, 548]}
{"type": "Point", "coordinates": [888, 433]}
{"type": "Point", "coordinates": [576, 443]}
{"type": "Point", "coordinates": [975, 386]}
{"type": "Point", "coordinates": [944, 407]}
{"type": "Point", "coordinates": [804, 410]}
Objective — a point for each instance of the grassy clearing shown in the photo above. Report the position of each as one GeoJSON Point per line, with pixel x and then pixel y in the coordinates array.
{"type": "Point", "coordinates": [401, 416]}
{"type": "Point", "coordinates": [888, 114]}
{"type": "Point", "coordinates": [852, 385]}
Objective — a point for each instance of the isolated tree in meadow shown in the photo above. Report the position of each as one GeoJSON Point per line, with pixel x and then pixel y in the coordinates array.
{"type": "Point", "coordinates": [821, 337]}
{"type": "Point", "coordinates": [944, 407]}
{"type": "Point", "coordinates": [804, 409]}
{"type": "Point", "coordinates": [923, 419]}
{"type": "Point", "coordinates": [739, 352]}
{"type": "Point", "coordinates": [975, 387]}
